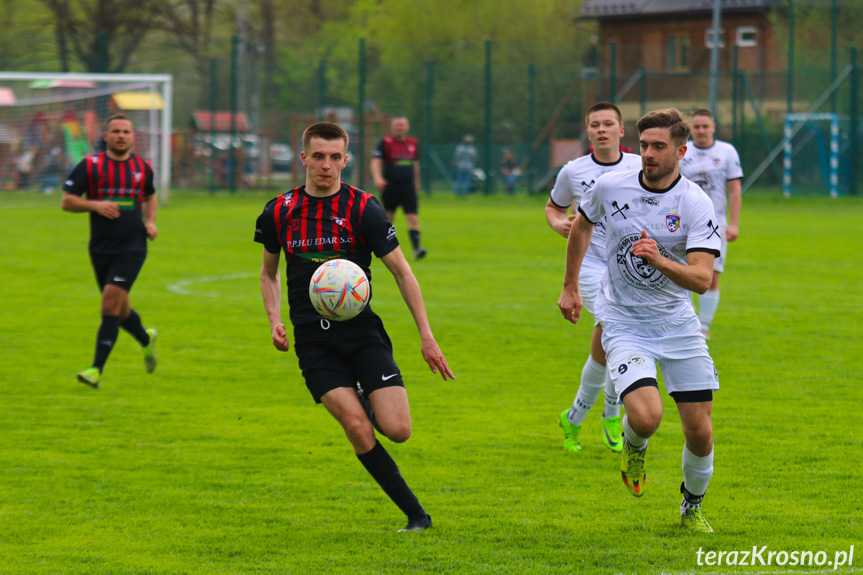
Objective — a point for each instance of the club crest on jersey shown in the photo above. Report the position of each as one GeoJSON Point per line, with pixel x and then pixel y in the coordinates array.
{"type": "Point", "coordinates": [339, 221]}
{"type": "Point", "coordinates": [672, 222]}
{"type": "Point", "coordinates": [636, 270]}
{"type": "Point", "coordinates": [136, 176]}
{"type": "Point", "coordinates": [717, 161]}
{"type": "Point", "coordinates": [288, 197]}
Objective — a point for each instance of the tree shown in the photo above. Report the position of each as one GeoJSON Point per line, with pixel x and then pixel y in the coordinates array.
{"type": "Point", "coordinates": [102, 35]}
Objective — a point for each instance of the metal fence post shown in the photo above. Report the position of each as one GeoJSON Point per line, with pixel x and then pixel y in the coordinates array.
{"type": "Point", "coordinates": [854, 115]}
{"type": "Point", "coordinates": [361, 139]}
{"type": "Point", "coordinates": [789, 92]}
{"type": "Point", "coordinates": [427, 148]}
{"type": "Point", "coordinates": [214, 67]}
{"type": "Point", "coordinates": [487, 133]}
{"type": "Point", "coordinates": [734, 97]}
{"type": "Point", "coordinates": [235, 46]}
{"type": "Point", "coordinates": [531, 109]}
{"type": "Point", "coordinates": [322, 89]}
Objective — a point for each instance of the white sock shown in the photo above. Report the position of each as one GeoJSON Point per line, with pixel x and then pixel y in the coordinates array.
{"type": "Point", "coordinates": [707, 304]}
{"type": "Point", "coordinates": [697, 472]}
{"type": "Point", "coordinates": [592, 382]}
{"type": "Point", "coordinates": [633, 438]}
{"type": "Point", "coordinates": [612, 402]}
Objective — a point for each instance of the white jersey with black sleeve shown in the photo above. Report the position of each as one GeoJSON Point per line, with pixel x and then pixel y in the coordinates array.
{"type": "Point", "coordinates": [576, 177]}
{"type": "Point", "coordinates": [680, 219]}
{"type": "Point", "coordinates": [711, 168]}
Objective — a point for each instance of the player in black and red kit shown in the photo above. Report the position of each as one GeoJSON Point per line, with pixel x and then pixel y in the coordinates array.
{"type": "Point", "coordinates": [396, 170]}
{"type": "Point", "coordinates": [323, 220]}
{"type": "Point", "coordinates": [116, 187]}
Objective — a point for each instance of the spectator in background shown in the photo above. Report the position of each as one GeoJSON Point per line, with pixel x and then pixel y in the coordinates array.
{"type": "Point", "coordinates": [509, 171]}
{"type": "Point", "coordinates": [464, 160]}
{"type": "Point", "coordinates": [25, 168]}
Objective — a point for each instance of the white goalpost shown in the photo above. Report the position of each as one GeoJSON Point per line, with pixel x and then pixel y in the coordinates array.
{"type": "Point", "coordinates": [788, 163]}
{"type": "Point", "coordinates": [50, 121]}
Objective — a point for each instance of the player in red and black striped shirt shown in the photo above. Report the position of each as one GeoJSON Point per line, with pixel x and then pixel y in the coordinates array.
{"type": "Point", "coordinates": [116, 187]}
{"type": "Point", "coordinates": [396, 170]}
{"type": "Point", "coordinates": [323, 220]}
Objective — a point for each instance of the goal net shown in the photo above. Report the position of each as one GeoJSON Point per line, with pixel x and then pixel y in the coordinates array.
{"type": "Point", "coordinates": [811, 154]}
{"type": "Point", "coordinates": [50, 122]}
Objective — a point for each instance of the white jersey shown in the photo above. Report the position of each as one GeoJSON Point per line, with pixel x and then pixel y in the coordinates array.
{"type": "Point", "coordinates": [680, 219]}
{"type": "Point", "coordinates": [576, 177]}
{"type": "Point", "coordinates": [711, 168]}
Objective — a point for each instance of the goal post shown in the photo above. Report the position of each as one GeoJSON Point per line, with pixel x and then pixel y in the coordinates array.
{"type": "Point", "coordinates": [790, 131]}
{"type": "Point", "coordinates": [49, 119]}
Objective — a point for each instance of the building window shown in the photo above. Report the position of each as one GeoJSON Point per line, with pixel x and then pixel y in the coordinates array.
{"type": "Point", "coordinates": [747, 36]}
{"type": "Point", "coordinates": [678, 52]}
{"type": "Point", "coordinates": [708, 37]}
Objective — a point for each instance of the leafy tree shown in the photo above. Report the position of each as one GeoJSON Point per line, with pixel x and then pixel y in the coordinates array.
{"type": "Point", "coordinates": [102, 35]}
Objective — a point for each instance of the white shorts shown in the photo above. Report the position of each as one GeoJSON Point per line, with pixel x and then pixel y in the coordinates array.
{"type": "Point", "coordinates": [719, 263]}
{"type": "Point", "coordinates": [633, 350]}
{"type": "Point", "coordinates": [589, 278]}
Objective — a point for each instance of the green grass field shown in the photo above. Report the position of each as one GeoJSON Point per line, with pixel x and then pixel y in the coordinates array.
{"type": "Point", "coordinates": [219, 462]}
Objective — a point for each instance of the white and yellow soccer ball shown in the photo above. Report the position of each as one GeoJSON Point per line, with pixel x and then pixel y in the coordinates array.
{"type": "Point", "coordinates": [339, 290]}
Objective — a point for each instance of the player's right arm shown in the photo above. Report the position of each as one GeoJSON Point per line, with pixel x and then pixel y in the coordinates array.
{"type": "Point", "coordinates": [271, 290]}
{"type": "Point", "coordinates": [377, 166]}
{"type": "Point", "coordinates": [74, 199]}
{"type": "Point", "coordinates": [561, 198]}
{"type": "Point", "coordinates": [558, 219]}
{"type": "Point", "coordinates": [576, 246]}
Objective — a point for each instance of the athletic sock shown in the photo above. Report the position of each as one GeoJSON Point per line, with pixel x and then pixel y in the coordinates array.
{"type": "Point", "coordinates": [633, 438]}
{"type": "Point", "coordinates": [592, 381]}
{"type": "Point", "coordinates": [132, 324]}
{"type": "Point", "coordinates": [105, 338]}
{"type": "Point", "coordinates": [707, 304]}
{"type": "Point", "coordinates": [612, 401]}
{"type": "Point", "coordinates": [384, 470]}
{"type": "Point", "coordinates": [415, 238]}
{"type": "Point", "coordinates": [697, 472]}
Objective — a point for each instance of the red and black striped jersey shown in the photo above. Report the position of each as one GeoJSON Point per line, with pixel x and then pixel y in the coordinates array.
{"type": "Point", "coordinates": [125, 182]}
{"type": "Point", "coordinates": [398, 158]}
{"type": "Point", "coordinates": [350, 224]}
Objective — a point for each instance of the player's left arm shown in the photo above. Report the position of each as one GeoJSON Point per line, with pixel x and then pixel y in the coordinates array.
{"type": "Point", "coordinates": [149, 207]}
{"type": "Point", "coordinates": [410, 290]}
{"type": "Point", "coordinates": [695, 275]}
{"type": "Point", "coordinates": [735, 202]}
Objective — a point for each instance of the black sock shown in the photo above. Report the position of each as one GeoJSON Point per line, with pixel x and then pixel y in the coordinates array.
{"type": "Point", "coordinates": [105, 338]}
{"type": "Point", "coordinates": [384, 470]}
{"type": "Point", "coordinates": [132, 324]}
{"type": "Point", "coordinates": [415, 238]}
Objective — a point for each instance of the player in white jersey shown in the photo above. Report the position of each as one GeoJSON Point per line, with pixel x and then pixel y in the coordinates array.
{"type": "Point", "coordinates": [661, 240]}
{"type": "Point", "coordinates": [604, 125]}
{"type": "Point", "coordinates": [715, 166]}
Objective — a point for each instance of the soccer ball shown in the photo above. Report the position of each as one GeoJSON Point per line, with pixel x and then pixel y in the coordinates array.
{"type": "Point", "coordinates": [339, 290]}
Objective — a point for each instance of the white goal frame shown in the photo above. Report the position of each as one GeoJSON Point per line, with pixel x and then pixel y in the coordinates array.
{"type": "Point", "coordinates": [162, 82]}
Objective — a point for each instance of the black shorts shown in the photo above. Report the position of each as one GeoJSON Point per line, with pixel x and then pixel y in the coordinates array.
{"type": "Point", "coordinates": [120, 270]}
{"type": "Point", "coordinates": [337, 354]}
{"type": "Point", "coordinates": [404, 195]}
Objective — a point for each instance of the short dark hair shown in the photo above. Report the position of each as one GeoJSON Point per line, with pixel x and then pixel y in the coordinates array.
{"type": "Point", "coordinates": [114, 117]}
{"type": "Point", "coordinates": [671, 118]}
{"type": "Point", "coordinates": [702, 112]}
{"type": "Point", "coordinates": [599, 106]}
{"type": "Point", "coordinates": [326, 131]}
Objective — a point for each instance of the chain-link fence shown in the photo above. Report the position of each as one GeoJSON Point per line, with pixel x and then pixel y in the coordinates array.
{"type": "Point", "coordinates": [528, 99]}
